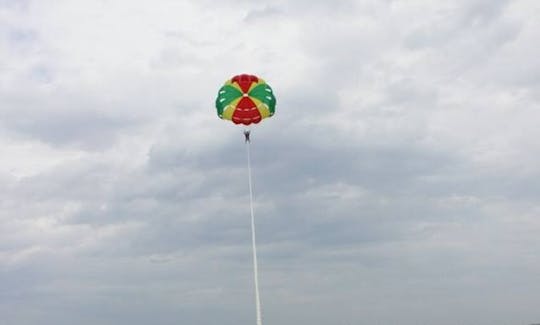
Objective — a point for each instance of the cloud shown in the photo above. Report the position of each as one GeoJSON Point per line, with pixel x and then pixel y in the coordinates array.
{"type": "Point", "coordinates": [396, 183]}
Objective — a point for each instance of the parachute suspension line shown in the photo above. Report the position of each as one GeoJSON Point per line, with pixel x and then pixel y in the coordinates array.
{"type": "Point", "coordinates": [253, 241]}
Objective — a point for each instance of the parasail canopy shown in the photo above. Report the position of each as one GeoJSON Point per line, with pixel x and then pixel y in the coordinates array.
{"type": "Point", "coordinates": [245, 99]}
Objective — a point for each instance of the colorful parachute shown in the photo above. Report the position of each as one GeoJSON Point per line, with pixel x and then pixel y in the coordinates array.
{"type": "Point", "coordinates": [245, 99]}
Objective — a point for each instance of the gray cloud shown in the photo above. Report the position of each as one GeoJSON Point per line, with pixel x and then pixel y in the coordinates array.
{"type": "Point", "coordinates": [86, 128]}
{"type": "Point", "coordinates": [396, 183]}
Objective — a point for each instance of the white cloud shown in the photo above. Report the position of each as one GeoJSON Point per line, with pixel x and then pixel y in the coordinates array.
{"type": "Point", "coordinates": [397, 182]}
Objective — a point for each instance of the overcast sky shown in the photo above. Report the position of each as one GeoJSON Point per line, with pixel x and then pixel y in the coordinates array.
{"type": "Point", "coordinates": [397, 183]}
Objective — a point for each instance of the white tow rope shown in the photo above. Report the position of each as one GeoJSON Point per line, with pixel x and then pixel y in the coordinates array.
{"type": "Point", "coordinates": [253, 241]}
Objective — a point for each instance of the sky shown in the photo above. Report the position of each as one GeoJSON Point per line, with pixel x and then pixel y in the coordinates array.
{"type": "Point", "coordinates": [397, 183]}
